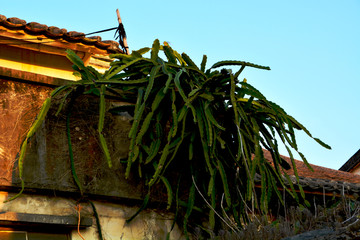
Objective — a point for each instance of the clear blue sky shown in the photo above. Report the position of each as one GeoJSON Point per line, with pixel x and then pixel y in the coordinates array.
{"type": "Point", "coordinates": [311, 46]}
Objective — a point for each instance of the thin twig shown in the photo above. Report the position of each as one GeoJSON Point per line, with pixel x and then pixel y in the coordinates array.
{"type": "Point", "coordinates": [284, 203]}
{"type": "Point", "coordinates": [354, 226]}
{"type": "Point", "coordinates": [223, 210]}
{"type": "Point", "coordinates": [315, 207]}
{"type": "Point", "coordinates": [324, 197]}
{"type": "Point", "coordinates": [246, 206]}
{"type": "Point", "coordinates": [78, 209]}
{"type": "Point", "coordinates": [209, 205]}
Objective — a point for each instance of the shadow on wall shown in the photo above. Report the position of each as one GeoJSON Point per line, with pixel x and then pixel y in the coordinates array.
{"type": "Point", "coordinates": [47, 164]}
{"type": "Point", "coordinates": [19, 105]}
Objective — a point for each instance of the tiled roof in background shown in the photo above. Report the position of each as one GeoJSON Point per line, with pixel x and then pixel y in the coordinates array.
{"type": "Point", "coordinates": [321, 172]}
{"type": "Point", "coordinates": [323, 179]}
{"type": "Point", "coordinates": [37, 29]}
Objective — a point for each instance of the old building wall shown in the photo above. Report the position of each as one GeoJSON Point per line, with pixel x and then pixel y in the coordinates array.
{"type": "Point", "coordinates": [356, 170]}
{"type": "Point", "coordinates": [149, 224]}
{"type": "Point", "coordinates": [49, 185]}
{"type": "Point", "coordinates": [47, 164]}
{"type": "Point", "coordinates": [32, 64]}
{"type": "Point", "coordinates": [36, 62]}
{"type": "Point", "coordinates": [19, 104]}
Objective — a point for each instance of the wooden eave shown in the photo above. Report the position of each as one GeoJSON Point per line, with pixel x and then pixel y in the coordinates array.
{"type": "Point", "coordinates": [351, 164]}
{"type": "Point", "coordinates": [21, 76]}
{"type": "Point", "coordinates": [41, 43]}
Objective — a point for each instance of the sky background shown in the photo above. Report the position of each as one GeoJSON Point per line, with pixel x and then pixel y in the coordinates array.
{"type": "Point", "coordinates": [312, 47]}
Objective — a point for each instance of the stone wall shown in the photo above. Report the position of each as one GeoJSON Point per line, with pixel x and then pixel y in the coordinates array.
{"type": "Point", "coordinates": [47, 163]}
{"type": "Point", "coordinates": [49, 184]}
{"type": "Point", "coordinates": [19, 105]}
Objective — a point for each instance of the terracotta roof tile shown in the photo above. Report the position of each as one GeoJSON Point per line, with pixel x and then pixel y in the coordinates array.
{"type": "Point", "coordinates": [2, 18]}
{"type": "Point", "coordinates": [319, 172]}
{"type": "Point", "coordinates": [91, 40]}
{"type": "Point", "coordinates": [55, 32]}
{"type": "Point", "coordinates": [34, 28]}
{"type": "Point", "coordinates": [323, 179]}
{"type": "Point", "coordinates": [112, 44]}
{"type": "Point", "coordinates": [14, 23]}
{"type": "Point", "coordinates": [74, 36]}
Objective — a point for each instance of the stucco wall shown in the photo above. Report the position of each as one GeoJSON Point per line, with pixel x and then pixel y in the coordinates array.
{"type": "Point", "coordinates": [356, 170]}
{"type": "Point", "coordinates": [19, 105]}
{"type": "Point", "coordinates": [47, 164]}
{"type": "Point", "coordinates": [47, 167]}
{"type": "Point", "coordinates": [149, 224]}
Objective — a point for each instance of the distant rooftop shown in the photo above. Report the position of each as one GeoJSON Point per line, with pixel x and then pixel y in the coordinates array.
{"type": "Point", "coordinates": [323, 179]}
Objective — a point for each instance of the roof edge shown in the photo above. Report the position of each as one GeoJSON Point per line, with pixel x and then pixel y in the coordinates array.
{"type": "Point", "coordinates": [55, 33]}
{"type": "Point", "coordinates": [351, 163]}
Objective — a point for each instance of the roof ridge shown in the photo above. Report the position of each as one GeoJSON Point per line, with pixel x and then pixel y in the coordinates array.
{"type": "Point", "coordinates": [319, 172]}
{"type": "Point", "coordinates": [53, 32]}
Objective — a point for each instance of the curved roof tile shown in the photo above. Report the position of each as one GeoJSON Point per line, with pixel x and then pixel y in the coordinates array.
{"type": "Point", "coordinates": [319, 172]}
{"type": "Point", "coordinates": [55, 32]}
{"type": "Point", "coordinates": [322, 178]}
{"type": "Point", "coordinates": [34, 28]}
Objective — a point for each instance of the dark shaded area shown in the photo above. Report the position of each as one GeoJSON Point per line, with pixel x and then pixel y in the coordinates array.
{"type": "Point", "coordinates": [47, 165]}
{"type": "Point", "coordinates": [351, 163]}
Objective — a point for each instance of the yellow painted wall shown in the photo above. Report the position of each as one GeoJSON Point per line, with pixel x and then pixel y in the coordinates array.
{"type": "Point", "coordinates": [36, 62]}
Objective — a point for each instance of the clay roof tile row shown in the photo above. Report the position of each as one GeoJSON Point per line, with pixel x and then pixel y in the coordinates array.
{"type": "Point", "coordinates": [319, 172]}
{"type": "Point", "coordinates": [52, 32]}
{"type": "Point", "coordinates": [322, 178]}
